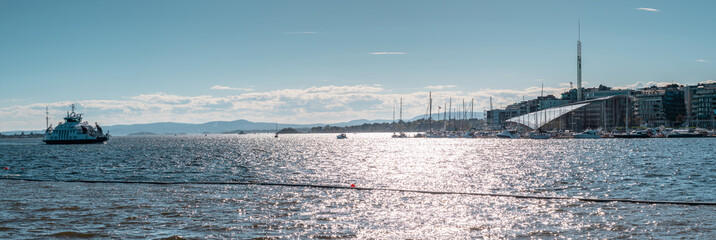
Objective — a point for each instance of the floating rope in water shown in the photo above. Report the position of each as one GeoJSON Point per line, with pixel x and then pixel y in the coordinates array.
{"type": "Point", "coordinates": [352, 187]}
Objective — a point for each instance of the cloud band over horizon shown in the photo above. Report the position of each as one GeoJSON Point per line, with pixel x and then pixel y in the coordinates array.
{"type": "Point", "coordinates": [317, 104]}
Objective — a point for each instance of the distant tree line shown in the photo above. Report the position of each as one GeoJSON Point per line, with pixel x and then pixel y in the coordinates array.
{"type": "Point", "coordinates": [22, 135]}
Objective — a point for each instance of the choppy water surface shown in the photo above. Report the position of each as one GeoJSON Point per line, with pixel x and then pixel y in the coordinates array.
{"type": "Point", "coordinates": [654, 169]}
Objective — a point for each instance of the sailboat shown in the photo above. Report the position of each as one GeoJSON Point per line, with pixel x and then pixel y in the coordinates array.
{"type": "Point", "coordinates": [627, 133]}
{"type": "Point", "coordinates": [276, 136]}
{"type": "Point", "coordinates": [401, 134]}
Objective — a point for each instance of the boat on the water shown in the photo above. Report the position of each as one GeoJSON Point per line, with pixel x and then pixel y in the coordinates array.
{"type": "Point", "coordinates": [508, 134]}
{"type": "Point", "coordinates": [680, 133]}
{"type": "Point", "coordinates": [74, 131]}
{"type": "Point", "coordinates": [342, 136]}
{"type": "Point", "coordinates": [588, 134]}
{"type": "Point", "coordinates": [633, 134]}
{"type": "Point", "coordinates": [399, 135]}
{"type": "Point", "coordinates": [539, 135]}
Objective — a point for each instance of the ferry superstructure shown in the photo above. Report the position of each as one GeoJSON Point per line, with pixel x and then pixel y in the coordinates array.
{"type": "Point", "coordinates": [74, 131]}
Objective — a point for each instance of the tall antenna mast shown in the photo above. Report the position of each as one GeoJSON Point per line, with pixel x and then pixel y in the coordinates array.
{"type": "Point", "coordinates": [579, 60]}
{"type": "Point", "coordinates": [47, 117]}
{"type": "Point", "coordinates": [541, 94]}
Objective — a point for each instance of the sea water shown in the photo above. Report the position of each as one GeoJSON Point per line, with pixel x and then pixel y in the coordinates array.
{"type": "Point", "coordinates": [648, 169]}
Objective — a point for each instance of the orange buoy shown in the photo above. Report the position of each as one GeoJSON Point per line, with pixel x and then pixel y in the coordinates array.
{"type": "Point", "coordinates": [353, 185]}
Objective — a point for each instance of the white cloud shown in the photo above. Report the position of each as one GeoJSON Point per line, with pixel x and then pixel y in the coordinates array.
{"type": "Point", "coordinates": [388, 53]}
{"type": "Point", "coordinates": [649, 9]}
{"type": "Point", "coordinates": [440, 87]}
{"type": "Point", "coordinates": [702, 60]}
{"type": "Point", "coordinates": [218, 87]}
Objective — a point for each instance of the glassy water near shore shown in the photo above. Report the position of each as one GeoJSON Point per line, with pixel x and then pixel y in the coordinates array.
{"type": "Point", "coordinates": [653, 169]}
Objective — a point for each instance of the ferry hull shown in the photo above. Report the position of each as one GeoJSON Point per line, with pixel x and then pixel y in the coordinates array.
{"type": "Point", "coordinates": [77, 141]}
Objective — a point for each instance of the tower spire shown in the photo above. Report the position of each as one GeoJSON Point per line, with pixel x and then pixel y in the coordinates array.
{"type": "Point", "coordinates": [579, 61]}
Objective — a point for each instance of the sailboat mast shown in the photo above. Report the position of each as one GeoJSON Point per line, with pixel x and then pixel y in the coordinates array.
{"type": "Point", "coordinates": [464, 113]}
{"type": "Point", "coordinates": [393, 113]}
{"type": "Point", "coordinates": [47, 117]}
{"type": "Point", "coordinates": [445, 124]}
{"type": "Point", "coordinates": [450, 114]}
{"type": "Point", "coordinates": [401, 109]}
{"type": "Point", "coordinates": [401, 115]}
{"type": "Point", "coordinates": [490, 103]}
{"type": "Point", "coordinates": [430, 111]}
{"type": "Point", "coordinates": [472, 108]}
{"type": "Point", "coordinates": [627, 112]}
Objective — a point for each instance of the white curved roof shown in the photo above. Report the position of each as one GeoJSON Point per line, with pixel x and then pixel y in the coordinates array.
{"type": "Point", "coordinates": [535, 120]}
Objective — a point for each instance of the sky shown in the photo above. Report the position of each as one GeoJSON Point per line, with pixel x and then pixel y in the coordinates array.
{"type": "Point", "coordinates": [126, 62]}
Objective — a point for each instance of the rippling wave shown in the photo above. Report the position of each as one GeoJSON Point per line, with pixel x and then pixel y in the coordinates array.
{"type": "Point", "coordinates": [653, 169]}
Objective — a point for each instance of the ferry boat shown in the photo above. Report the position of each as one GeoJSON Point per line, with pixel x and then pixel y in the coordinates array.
{"type": "Point", "coordinates": [74, 131]}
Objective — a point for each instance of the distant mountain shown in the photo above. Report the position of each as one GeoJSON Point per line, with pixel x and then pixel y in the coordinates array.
{"type": "Point", "coordinates": [219, 127]}
{"type": "Point", "coordinates": [142, 134]}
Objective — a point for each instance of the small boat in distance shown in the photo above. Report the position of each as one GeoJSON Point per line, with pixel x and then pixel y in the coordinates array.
{"type": "Point", "coordinates": [74, 131]}
{"type": "Point", "coordinates": [539, 135]}
{"type": "Point", "coordinates": [400, 135]}
{"type": "Point", "coordinates": [508, 134]}
{"type": "Point", "coordinates": [685, 133]}
{"type": "Point", "coordinates": [342, 136]}
{"type": "Point", "coordinates": [633, 134]}
{"type": "Point", "coordinates": [588, 134]}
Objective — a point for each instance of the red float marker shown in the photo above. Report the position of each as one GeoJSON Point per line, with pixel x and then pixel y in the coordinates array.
{"type": "Point", "coordinates": [6, 168]}
{"type": "Point", "coordinates": [353, 185]}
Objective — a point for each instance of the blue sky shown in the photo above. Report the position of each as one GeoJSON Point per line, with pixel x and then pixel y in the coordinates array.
{"type": "Point", "coordinates": [329, 61]}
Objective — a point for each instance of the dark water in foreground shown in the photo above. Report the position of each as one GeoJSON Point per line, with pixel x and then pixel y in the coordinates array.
{"type": "Point", "coordinates": [653, 169]}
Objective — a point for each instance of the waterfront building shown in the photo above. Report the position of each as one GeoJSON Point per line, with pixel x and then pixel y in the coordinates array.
{"type": "Point", "coordinates": [701, 105]}
{"type": "Point", "coordinates": [550, 101]}
{"type": "Point", "coordinates": [660, 106]}
{"type": "Point", "coordinates": [496, 118]}
{"type": "Point", "coordinates": [570, 96]}
{"type": "Point", "coordinates": [594, 93]}
{"type": "Point", "coordinates": [604, 91]}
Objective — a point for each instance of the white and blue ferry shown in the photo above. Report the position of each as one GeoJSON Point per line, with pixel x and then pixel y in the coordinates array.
{"type": "Point", "coordinates": [74, 131]}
